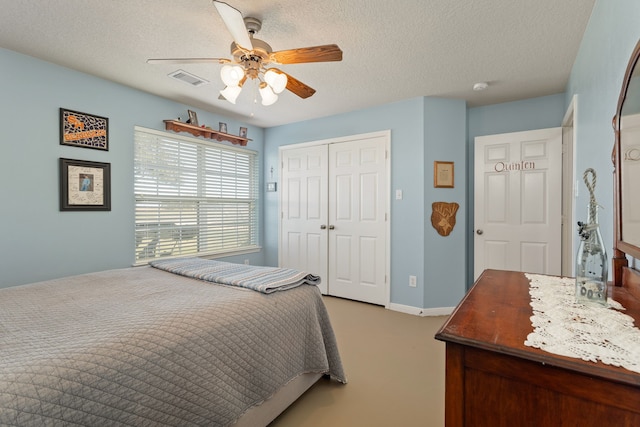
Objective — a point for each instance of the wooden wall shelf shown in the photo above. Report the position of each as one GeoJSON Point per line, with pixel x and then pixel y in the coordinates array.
{"type": "Point", "coordinates": [177, 126]}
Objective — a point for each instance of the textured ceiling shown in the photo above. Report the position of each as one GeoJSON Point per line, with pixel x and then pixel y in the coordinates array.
{"type": "Point", "coordinates": [393, 50]}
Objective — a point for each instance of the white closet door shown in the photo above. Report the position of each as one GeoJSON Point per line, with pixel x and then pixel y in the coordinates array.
{"type": "Point", "coordinates": [303, 232]}
{"type": "Point", "coordinates": [334, 201]}
{"type": "Point", "coordinates": [357, 216]}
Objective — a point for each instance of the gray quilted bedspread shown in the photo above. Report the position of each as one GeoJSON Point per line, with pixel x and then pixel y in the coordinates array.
{"type": "Point", "coordinates": [142, 347]}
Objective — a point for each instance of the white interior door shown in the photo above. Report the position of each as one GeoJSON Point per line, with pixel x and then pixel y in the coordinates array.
{"type": "Point", "coordinates": [303, 232]}
{"type": "Point", "coordinates": [518, 202]}
{"type": "Point", "coordinates": [334, 202]}
{"type": "Point", "coordinates": [357, 220]}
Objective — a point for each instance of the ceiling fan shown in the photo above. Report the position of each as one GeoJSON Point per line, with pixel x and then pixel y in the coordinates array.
{"type": "Point", "coordinates": [251, 57]}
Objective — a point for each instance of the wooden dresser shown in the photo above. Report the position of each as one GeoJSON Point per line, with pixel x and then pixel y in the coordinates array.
{"type": "Point", "coordinates": [493, 379]}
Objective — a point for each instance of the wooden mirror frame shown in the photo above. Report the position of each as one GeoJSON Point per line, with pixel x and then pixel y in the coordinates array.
{"type": "Point", "coordinates": [623, 275]}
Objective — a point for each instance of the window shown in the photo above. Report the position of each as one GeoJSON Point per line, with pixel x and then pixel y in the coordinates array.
{"type": "Point", "coordinates": [193, 196]}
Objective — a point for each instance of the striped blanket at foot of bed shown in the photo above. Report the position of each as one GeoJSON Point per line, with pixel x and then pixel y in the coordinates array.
{"type": "Point", "coordinates": [261, 279]}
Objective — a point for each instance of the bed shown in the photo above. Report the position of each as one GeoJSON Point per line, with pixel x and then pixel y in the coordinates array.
{"type": "Point", "coordinates": [145, 346]}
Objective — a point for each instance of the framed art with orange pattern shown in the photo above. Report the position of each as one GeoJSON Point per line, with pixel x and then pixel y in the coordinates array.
{"type": "Point", "coordinates": [84, 130]}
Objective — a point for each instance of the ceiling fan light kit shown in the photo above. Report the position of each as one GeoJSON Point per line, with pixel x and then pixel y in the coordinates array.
{"type": "Point", "coordinates": [251, 57]}
{"type": "Point", "coordinates": [277, 81]}
{"type": "Point", "coordinates": [231, 75]}
{"type": "Point", "coordinates": [267, 94]}
{"type": "Point", "coordinates": [231, 93]}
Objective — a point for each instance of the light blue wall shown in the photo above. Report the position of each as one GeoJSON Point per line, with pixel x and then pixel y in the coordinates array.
{"type": "Point", "coordinates": [529, 114]}
{"type": "Point", "coordinates": [445, 135]}
{"type": "Point", "coordinates": [37, 241]}
{"type": "Point", "coordinates": [404, 119]}
{"type": "Point", "coordinates": [613, 31]}
{"type": "Point", "coordinates": [422, 130]}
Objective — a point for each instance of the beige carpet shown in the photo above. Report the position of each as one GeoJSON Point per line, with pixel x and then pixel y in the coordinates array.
{"type": "Point", "coordinates": [394, 366]}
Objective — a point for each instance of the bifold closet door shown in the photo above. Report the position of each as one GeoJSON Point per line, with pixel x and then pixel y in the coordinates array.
{"type": "Point", "coordinates": [304, 199]}
{"type": "Point", "coordinates": [333, 219]}
{"type": "Point", "coordinates": [357, 216]}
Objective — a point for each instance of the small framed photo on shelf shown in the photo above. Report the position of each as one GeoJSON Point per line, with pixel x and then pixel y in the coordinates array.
{"type": "Point", "coordinates": [193, 118]}
{"type": "Point", "coordinates": [223, 127]}
{"type": "Point", "coordinates": [84, 185]}
{"type": "Point", "coordinates": [243, 132]}
{"type": "Point", "coordinates": [443, 174]}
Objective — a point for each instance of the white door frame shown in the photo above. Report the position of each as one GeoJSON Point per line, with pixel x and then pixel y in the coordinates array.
{"type": "Point", "coordinates": [384, 134]}
{"type": "Point", "coordinates": [569, 182]}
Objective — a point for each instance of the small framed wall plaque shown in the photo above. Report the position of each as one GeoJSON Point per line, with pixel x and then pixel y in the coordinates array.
{"type": "Point", "coordinates": [84, 130]}
{"type": "Point", "coordinates": [443, 174]}
{"type": "Point", "coordinates": [85, 186]}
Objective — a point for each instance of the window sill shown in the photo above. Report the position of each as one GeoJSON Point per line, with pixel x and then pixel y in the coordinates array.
{"type": "Point", "coordinates": [205, 255]}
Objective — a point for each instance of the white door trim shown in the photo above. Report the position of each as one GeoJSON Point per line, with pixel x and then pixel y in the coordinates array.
{"type": "Point", "coordinates": [386, 134]}
{"type": "Point", "coordinates": [569, 137]}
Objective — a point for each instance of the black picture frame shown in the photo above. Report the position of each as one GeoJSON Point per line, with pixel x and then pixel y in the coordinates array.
{"type": "Point", "coordinates": [84, 185]}
{"type": "Point", "coordinates": [84, 130]}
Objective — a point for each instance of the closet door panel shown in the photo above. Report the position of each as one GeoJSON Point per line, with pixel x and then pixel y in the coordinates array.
{"type": "Point", "coordinates": [303, 240]}
{"type": "Point", "coordinates": [357, 190]}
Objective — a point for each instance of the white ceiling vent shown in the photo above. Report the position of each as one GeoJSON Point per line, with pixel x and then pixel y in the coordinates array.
{"type": "Point", "coordinates": [188, 78]}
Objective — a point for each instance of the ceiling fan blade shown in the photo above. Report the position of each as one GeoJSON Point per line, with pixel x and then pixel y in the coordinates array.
{"type": "Point", "coordinates": [187, 60]}
{"type": "Point", "coordinates": [235, 24]}
{"type": "Point", "coordinates": [325, 53]}
{"type": "Point", "coordinates": [296, 86]}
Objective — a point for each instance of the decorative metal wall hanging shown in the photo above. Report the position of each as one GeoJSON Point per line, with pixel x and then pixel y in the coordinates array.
{"type": "Point", "coordinates": [84, 130]}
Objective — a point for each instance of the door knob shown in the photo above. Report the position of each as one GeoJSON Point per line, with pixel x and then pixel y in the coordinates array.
{"type": "Point", "coordinates": [479, 232]}
{"type": "Point", "coordinates": [323, 227]}
{"type": "Point", "coordinates": [331, 227]}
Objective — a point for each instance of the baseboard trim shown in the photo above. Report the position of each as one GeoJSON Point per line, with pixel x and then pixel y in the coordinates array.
{"type": "Point", "coordinates": [416, 311]}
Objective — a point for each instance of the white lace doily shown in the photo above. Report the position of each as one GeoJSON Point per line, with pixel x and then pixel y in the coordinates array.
{"type": "Point", "coordinates": [589, 332]}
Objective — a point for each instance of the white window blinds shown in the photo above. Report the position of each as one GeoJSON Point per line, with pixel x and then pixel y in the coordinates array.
{"type": "Point", "coordinates": [193, 196]}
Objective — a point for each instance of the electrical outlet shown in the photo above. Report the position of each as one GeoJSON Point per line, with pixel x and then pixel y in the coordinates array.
{"type": "Point", "coordinates": [413, 281]}
{"type": "Point", "coordinates": [246, 262]}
